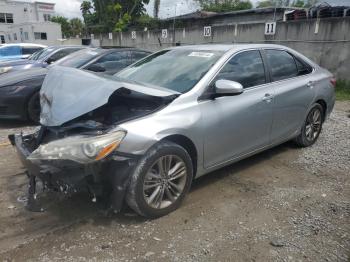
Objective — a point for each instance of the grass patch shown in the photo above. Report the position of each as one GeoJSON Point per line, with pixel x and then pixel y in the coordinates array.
{"type": "Point", "coordinates": [342, 90]}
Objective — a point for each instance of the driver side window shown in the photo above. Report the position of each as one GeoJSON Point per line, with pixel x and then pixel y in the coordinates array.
{"type": "Point", "coordinates": [246, 68]}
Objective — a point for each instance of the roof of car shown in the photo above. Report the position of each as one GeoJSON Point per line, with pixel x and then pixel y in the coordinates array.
{"type": "Point", "coordinates": [226, 47]}
{"type": "Point", "coordinates": [123, 49]}
{"type": "Point", "coordinates": [24, 44]}
{"type": "Point", "coordinates": [66, 46]}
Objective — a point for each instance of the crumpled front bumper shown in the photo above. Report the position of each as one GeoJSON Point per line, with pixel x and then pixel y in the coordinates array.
{"type": "Point", "coordinates": [108, 176]}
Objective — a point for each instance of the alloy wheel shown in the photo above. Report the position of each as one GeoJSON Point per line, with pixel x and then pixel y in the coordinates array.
{"type": "Point", "coordinates": [313, 124]}
{"type": "Point", "coordinates": [165, 181]}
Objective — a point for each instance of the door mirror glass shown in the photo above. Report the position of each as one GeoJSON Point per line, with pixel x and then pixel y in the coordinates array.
{"type": "Point", "coordinates": [227, 88]}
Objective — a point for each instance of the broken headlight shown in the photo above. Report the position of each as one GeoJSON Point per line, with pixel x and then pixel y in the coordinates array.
{"type": "Point", "coordinates": [82, 149]}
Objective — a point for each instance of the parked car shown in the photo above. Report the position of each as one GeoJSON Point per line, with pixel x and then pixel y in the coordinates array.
{"type": "Point", "coordinates": [41, 58]}
{"type": "Point", "coordinates": [19, 90]}
{"type": "Point", "coordinates": [178, 114]}
{"type": "Point", "coordinates": [18, 51]}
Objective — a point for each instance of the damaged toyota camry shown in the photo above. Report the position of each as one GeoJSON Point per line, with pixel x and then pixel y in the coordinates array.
{"type": "Point", "coordinates": [141, 136]}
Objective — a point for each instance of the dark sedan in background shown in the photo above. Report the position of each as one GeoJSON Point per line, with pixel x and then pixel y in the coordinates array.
{"type": "Point", "coordinates": [42, 58]}
{"type": "Point", "coordinates": [19, 90]}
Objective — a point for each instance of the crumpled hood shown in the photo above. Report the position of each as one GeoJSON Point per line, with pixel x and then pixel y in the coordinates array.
{"type": "Point", "coordinates": [68, 93]}
{"type": "Point", "coordinates": [15, 77]}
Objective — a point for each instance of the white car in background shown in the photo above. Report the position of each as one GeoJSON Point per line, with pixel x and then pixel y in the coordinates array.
{"type": "Point", "coordinates": [18, 51]}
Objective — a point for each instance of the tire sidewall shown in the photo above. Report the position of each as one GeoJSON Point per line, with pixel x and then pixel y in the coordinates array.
{"type": "Point", "coordinates": [135, 196]}
{"type": "Point", "coordinates": [31, 102]}
{"type": "Point", "coordinates": [305, 141]}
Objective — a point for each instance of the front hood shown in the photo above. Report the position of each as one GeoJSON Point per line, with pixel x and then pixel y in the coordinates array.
{"type": "Point", "coordinates": [15, 77]}
{"type": "Point", "coordinates": [68, 93]}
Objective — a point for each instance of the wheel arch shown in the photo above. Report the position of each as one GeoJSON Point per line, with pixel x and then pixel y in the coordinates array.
{"type": "Point", "coordinates": [323, 103]}
{"type": "Point", "coordinates": [188, 145]}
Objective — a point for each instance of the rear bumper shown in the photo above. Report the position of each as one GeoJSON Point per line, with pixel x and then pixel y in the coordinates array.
{"type": "Point", "coordinates": [109, 177]}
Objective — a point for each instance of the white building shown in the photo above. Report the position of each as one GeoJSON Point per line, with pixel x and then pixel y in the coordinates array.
{"type": "Point", "coordinates": [25, 22]}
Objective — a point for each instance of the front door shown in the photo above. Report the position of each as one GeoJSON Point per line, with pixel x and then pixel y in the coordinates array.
{"type": "Point", "coordinates": [237, 125]}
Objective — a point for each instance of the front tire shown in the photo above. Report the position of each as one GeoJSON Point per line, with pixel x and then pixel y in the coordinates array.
{"type": "Point", "coordinates": [160, 180]}
{"type": "Point", "coordinates": [312, 127]}
{"type": "Point", "coordinates": [33, 108]}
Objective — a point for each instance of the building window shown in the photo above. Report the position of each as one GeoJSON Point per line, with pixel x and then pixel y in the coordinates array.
{"type": "Point", "coordinates": [40, 36]}
{"type": "Point", "coordinates": [26, 36]}
{"type": "Point", "coordinates": [6, 18]}
{"type": "Point", "coordinates": [9, 37]}
{"type": "Point", "coordinates": [15, 36]}
{"type": "Point", "coordinates": [9, 18]}
{"type": "Point", "coordinates": [2, 39]}
{"type": "Point", "coordinates": [47, 17]}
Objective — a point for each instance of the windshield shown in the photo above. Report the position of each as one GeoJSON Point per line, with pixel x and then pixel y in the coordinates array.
{"type": "Point", "coordinates": [41, 53]}
{"type": "Point", "coordinates": [80, 58]}
{"type": "Point", "coordinates": [36, 55]}
{"type": "Point", "coordinates": [177, 69]}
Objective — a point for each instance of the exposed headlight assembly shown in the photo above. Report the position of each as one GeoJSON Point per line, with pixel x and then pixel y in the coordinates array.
{"type": "Point", "coordinates": [5, 69]}
{"type": "Point", "coordinates": [81, 149]}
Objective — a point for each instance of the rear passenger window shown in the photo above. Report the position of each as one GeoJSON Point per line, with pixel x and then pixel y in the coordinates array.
{"type": "Point", "coordinates": [282, 65]}
{"type": "Point", "coordinates": [246, 68]}
{"type": "Point", "coordinates": [303, 68]}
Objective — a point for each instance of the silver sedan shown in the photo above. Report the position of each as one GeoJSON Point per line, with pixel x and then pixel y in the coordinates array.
{"type": "Point", "coordinates": [174, 116]}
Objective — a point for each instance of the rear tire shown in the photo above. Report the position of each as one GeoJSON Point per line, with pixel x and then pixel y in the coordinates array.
{"type": "Point", "coordinates": [154, 193]}
{"type": "Point", "coordinates": [33, 108]}
{"type": "Point", "coordinates": [312, 127]}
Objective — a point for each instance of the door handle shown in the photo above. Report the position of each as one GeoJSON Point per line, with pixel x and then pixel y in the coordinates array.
{"type": "Point", "coordinates": [267, 98]}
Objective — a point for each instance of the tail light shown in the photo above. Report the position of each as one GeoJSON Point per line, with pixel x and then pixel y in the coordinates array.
{"type": "Point", "coordinates": [333, 81]}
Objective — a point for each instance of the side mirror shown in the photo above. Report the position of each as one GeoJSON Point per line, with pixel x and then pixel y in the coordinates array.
{"type": "Point", "coordinates": [49, 61]}
{"type": "Point", "coordinates": [227, 88]}
{"type": "Point", "coordinates": [96, 68]}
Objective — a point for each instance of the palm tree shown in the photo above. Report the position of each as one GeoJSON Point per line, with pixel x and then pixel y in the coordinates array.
{"type": "Point", "coordinates": [156, 8]}
{"type": "Point", "coordinates": [85, 8]}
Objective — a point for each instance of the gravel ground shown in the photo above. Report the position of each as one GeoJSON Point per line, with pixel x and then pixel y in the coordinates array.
{"type": "Point", "coordinates": [285, 204]}
{"type": "Point", "coordinates": [332, 149]}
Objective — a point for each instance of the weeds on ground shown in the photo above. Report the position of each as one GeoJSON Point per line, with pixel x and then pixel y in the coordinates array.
{"type": "Point", "coordinates": [342, 90]}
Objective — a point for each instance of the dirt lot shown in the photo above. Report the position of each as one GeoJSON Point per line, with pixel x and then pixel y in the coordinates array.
{"type": "Point", "coordinates": [286, 204]}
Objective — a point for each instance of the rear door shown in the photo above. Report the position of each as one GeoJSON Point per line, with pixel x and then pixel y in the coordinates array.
{"type": "Point", "coordinates": [237, 125]}
{"type": "Point", "coordinates": [293, 92]}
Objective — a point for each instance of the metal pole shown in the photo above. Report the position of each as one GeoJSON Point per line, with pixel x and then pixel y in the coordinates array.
{"type": "Point", "coordinates": [174, 26]}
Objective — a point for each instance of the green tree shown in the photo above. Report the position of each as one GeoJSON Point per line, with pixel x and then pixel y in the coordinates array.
{"type": "Point", "coordinates": [111, 15]}
{"type": "Point", "coordinates": [77, 26]}
{"type": "Point", "coordinates": [85, 8]}
{"type": "Point", "coordinates": [225, 6]}
{"type": "Point", "coordinates": [65, 25]}
{"type": "Point", "coordinates": [298, 3]}
{"type": "Point", "coordinates": [266, 3]}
